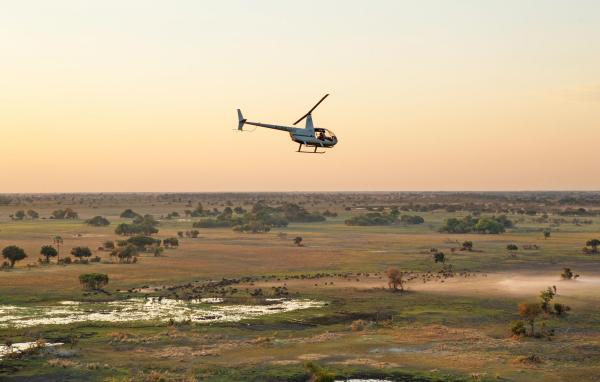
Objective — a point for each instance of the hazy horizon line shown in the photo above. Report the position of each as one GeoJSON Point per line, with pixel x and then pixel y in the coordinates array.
{"type": "Point", "coordinates": [304, 192]}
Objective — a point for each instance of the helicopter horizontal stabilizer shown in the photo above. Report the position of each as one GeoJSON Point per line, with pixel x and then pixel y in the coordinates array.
{"type": "Point", "coordinates": [241, 119]}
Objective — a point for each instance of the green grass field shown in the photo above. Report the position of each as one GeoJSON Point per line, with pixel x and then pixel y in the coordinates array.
{"type": "Point", "coordinates": [442, 330]}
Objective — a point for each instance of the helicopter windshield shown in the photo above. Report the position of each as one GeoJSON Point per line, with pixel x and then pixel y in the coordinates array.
{"type": "Point", "coordinates": [324, 134]}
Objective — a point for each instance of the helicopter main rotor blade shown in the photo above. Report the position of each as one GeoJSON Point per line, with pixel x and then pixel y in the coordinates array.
{"type": "Point", "coordinates": [313, 108]}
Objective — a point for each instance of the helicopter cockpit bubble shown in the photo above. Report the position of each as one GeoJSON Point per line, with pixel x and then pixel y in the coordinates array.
{"type": "Point", "coordinates": [324, 134]}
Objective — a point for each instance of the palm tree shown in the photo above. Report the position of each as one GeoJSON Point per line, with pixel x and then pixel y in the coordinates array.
{"type": "Point", "coordinates": [57, 240]}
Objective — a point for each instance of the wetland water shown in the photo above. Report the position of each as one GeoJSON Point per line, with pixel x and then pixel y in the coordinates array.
{"type": "Point", "coordinates": [20, 347]}
{"type": "Point", "coordinates": [140, 309]}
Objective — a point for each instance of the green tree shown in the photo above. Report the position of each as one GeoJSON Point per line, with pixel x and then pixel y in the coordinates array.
{"type": "Point", "coordinates": [129, 214]}
{"type": "Point", "coordinates": [141, 242]}
{"type": "Point", "coordinates": [530, 312]}
{"type": "Point", "coordinates": [125, 254]}
{"type": "Point", "coordinates": [48, 251]}
{"type": "Point", "coordinates": [81, 252]}
{"type": "Point", "coordinates": [489, 225]}
{"type": "Point", "coordinates": [93, 281]}
{"type": "Point", "coordinates": [546, 296]}
{"type": "Point", "coordinates": [98, 221]}
{"type": "Point", "coordinates": [512, 247]}
{"type": "Point", "coordinates": [67, 213]}
{"type": "Point", "coordinates": [19, 215]}
{"type": "Point", "coordinates": [33, 214]}
{"type": "Point", "coordinates": [12, 253]}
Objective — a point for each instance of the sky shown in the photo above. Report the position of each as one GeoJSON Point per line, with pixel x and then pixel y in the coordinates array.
{"type": "Point", "coordinates": [124, 96]}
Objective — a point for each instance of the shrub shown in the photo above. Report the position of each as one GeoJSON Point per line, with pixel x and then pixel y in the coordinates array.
{"type": "Point", "coordinates": [358, 325]}
{"type": "Point", "coordinates": [512, 247]}
{"type": "Point", "coordinates": [171, 242]}
{"type": "Point", "coordinates": [560, 309]}
{"type": "Point", "coordinates": [65, 260]}
{"type": "Point", "coordinates": [412, 219]}
{"type": "Point", "coordinates": [33, 214]}
{"type": "Point", "coordinates": [173, 215]}
{"type": "Point", "coordinates": [439, 257]}
{"type": "Point", "coordinates": [518, 329]}
{"type": "Point", "coordinates": [467, 245]}
{"type": "Point", "coordinates": [318, 374]}
{"type": "Point", "coordinates": [567, 274]}
{"type": "Point", "coordinates": [533, 359]}
{"type": "Point", "coordinates": [593, 244]}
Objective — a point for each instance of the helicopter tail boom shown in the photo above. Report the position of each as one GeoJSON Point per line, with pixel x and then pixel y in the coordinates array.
{"type": "Point", "coordinates": [241, 119]}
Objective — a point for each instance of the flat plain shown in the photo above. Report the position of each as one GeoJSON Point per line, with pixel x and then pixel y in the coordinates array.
{"type": "Point", "coordinates": [452, 322]}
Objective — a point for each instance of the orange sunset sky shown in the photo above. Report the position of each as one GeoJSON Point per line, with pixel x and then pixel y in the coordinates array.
{"type": "Point", "coordinates": [101, 96]}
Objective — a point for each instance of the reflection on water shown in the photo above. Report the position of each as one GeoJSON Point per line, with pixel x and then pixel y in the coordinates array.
{"type": "Point", "coordinates": [140, 309]}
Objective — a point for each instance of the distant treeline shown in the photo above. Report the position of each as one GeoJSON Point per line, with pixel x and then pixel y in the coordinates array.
{"type": "Point", "coordinates": [261, 218]}
{"type": "Point", "coordinates": [383, 218]}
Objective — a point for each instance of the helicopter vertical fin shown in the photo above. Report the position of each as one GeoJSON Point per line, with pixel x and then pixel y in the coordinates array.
{"type": "Point", "coordinates": [309, 123]}
{"type": "Point", "coordinates": [241, 119]}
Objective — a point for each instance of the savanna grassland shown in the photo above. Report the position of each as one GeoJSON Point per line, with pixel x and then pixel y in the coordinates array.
{"type": "Point", "coordinates": [454, 320]}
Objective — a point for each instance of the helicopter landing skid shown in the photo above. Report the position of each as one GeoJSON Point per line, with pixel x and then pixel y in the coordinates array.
{"type": "Point", "coordinates": [309, 152]}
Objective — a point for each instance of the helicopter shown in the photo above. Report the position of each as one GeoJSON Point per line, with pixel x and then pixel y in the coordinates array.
{"type": "Point", "coordinates": [309, 136]}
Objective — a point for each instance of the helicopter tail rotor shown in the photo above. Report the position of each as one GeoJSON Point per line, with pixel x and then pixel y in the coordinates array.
{"type": "Point", "coordinates": [241, 120]}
